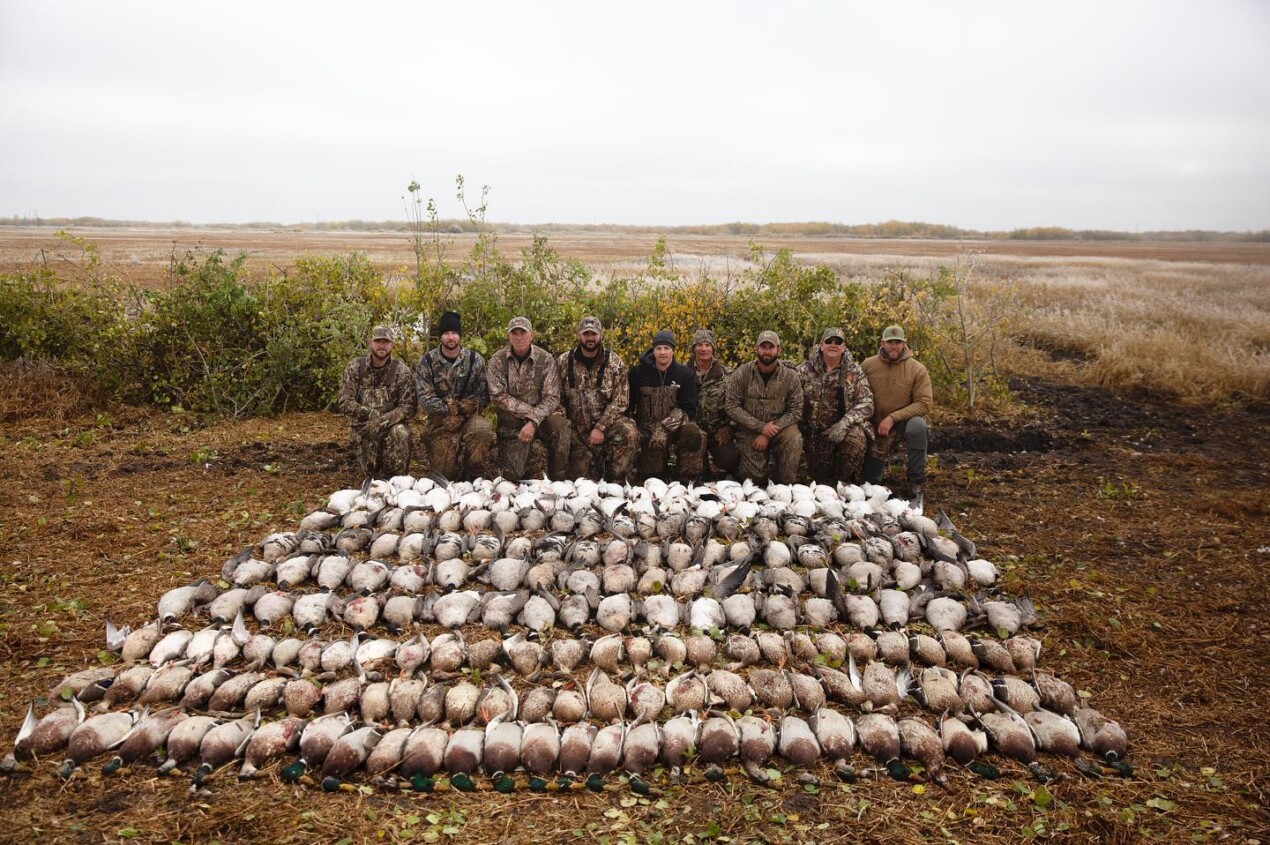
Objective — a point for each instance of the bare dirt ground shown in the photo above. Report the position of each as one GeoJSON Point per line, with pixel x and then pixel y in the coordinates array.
{"type": "Point", "coordinates": [1138, 528]}
{"type": "Point", "coordinates": [142, 255]}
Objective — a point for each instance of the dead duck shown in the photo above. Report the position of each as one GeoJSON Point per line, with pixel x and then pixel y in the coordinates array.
{"type": "Point", "coordinates": [731, 689]}
{"type": "Point", "coordinates": [178, 603]}
{"type": "Point", "coordinates": [349, 753]}
{"type": "Point", "coordinates": [1012, 737]}
{"type": "Point", "coordinates": [919, 742]}
{"type": "Point", "coordinates": [797, 743]}
{"type": "Point", "coordinates": [1103, 738]}
{"type": "Point", "coordinates": [95, 736]}
{"type": "Point", "coordinates": [771, 688]}
{"type": "Point", "coordinates": [386, 756]}
{"type": "Point", "coordinates": [317, 739]}
{"type": "Point", "coordinates": [992, 655]}
{"type": "Point", "coordinates": [646, 699]}
{"type": "Point", "coordinates": [222, 744]}
{"type": "Point", "coordinates": [424, 752]}
{"type": "Point", "coordinates": [836, 735]}
{"type": "Point", "coordinates": [127, 685]}
{"type": "Point", "coordinates": [1017, 693]}
{"type": "Point", "coordinates": [720, 741]}
{"type": "Point", "coordinates": [964, 744]}
{"type": "Point", "coordinates": [643, 747]}
{"type": "Point", "coordinates": [606, 754]}
{"type": "Point", "coordinates": [270, 741]}
{"type": "Point", "coordinates": [540, 748]}
{"type": "Point", "coordinates": [166, 684]}
{"type": "Point", "coordinates": [1055, 693]}
{"type": "Point", "coordinates": [575, 749]}
{"type": "Point", "coordinates": [170, 648]}
{"type": "Point", "coordinates": [936, 689]}
{"type": "Point", "coordinates": [679, 741]}
{"type": "Point", "coordinates": [687, 692]}
{"type": "Point", "coordinates": [185, 740]}
{"type": "Point", "coordinates": [758, 743]}
{"type": "Point", "coordinates": [145, 738]}
{"type": "Point", "coordinates": [880, 738]}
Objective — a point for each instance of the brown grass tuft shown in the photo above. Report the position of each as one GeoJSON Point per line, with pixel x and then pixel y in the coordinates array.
{"type": "Point", "coordinates": [41, 389]}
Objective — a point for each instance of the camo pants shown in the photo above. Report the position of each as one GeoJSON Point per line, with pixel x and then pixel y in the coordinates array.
{"type": "Point", "coordinates": [513, 456]}
{"type": "Point", "coordinates": [611, 460]}
{"type": "Point", "coordinates": [457, 453]}
{"type": "Point", "coordinates": [381, 455]}
{"type": "Point", "coordinates": [914, 434]}
{"type": "Point", "coordinates": [779, 460]}
{"type": "Point", "coordinates": [829, 462]}
{"type": "Point", "coordinates": [686, 441]}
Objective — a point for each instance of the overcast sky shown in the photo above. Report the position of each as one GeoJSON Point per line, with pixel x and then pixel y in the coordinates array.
{"type": "Point", "coordinates": [1120, 115]}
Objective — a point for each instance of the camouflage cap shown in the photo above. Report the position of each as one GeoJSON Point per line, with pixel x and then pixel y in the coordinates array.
{"type": "Point", "coordinates": [768, 336]}
{"type": "Point", "coordinates": [832, 333]}
{"type": "Point", "coordinates": [590, 324]}
{"type": "Point", "coordinates": [704, 336]}
{"type": "Point", "coordinates": [382, 333]}
{"type": "Point", "coordinates": [893, 333]}
{"type": "Point", "coordinates": [521, 323]}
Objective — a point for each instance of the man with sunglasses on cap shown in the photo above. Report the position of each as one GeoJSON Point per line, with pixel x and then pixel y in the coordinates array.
{"type": "Point", "coordinates": [524, 387]}
{"type": "Point", "coordinates": [594, 396]}
{"type": "Point", "coordinates": [450, 382]}
{"type": "Point", "coordinates": [902, 397]}
{"type": "Point", "coordinates": [377, 395]}
{"type": "Point", "coordinates": [839, 410]}
{"type": "Point", "coordinates": [765, 400]}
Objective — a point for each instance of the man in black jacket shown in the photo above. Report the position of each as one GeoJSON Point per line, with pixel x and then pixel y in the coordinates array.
{"type": "Point", "coordinates": [664, 401]}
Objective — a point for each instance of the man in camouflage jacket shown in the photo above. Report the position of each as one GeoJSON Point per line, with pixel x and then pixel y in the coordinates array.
{"type": "Point", "coordinates": [524, 387]}
{"type": "Point", "coordinates": [765, 400]}
{"type": "Point", "coordinates": [595, 394]}
{"type": "Point", "coordinates": [839, 410]}
{"type": "Point", "coordinates": [450, 383]}
{"type": "Point", "coordinates": [712, 416]}
{"type": "Point", "coordinates": [664, 400]}
{"type": "Point", "coordinates": [377, 395]}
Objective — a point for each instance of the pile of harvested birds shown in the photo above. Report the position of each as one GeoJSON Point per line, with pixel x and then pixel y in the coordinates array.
{"type": "Point", "coordinates": [428, 635]}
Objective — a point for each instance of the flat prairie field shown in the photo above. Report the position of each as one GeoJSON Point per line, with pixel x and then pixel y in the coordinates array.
{"type": "Point", "coordinates": [142, 256]}
{"type": "Point", "coordinates": [1135, 523]}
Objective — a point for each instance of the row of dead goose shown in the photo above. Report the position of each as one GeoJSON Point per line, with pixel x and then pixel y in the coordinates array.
{"type": "Point", "coordinates": [337, 746]}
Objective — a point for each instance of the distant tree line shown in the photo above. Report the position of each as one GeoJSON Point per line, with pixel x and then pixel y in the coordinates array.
{"type": "Point", "coordinates": [889, 229]}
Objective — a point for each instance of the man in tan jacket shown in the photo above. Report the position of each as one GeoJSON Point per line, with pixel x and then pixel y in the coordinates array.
{"type": "Point", "coordinates": [902, 397]}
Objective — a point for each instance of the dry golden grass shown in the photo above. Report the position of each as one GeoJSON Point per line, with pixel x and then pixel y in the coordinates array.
{"type": "Point", "coordinates": [1199, 332]}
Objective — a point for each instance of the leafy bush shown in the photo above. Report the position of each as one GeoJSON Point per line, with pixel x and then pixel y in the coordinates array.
{"type": "Point", "coordinates": [217, 342]}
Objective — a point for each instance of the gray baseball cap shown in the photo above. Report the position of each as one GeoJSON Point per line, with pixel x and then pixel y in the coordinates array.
{"type": "Point", "coordinates": [768, 336]}
{"type": "Point", "coordinates": [590, 324]}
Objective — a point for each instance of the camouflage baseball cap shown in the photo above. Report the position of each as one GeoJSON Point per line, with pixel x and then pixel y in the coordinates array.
{"type": "Point", "coordinates": [382, 333]}
{"type": "Point", "coordinates": [704, 336]}
{"type": "Point", "coordinates": [893, 333]}
{"type": "Point", "coordinates": [521, 323]}
{"type": "Point", "coordinates": [590, 324]}
{"type": "Point", "coordinates": [832, 333]}
{"type": "Point", "coordinates": [768, 336]}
